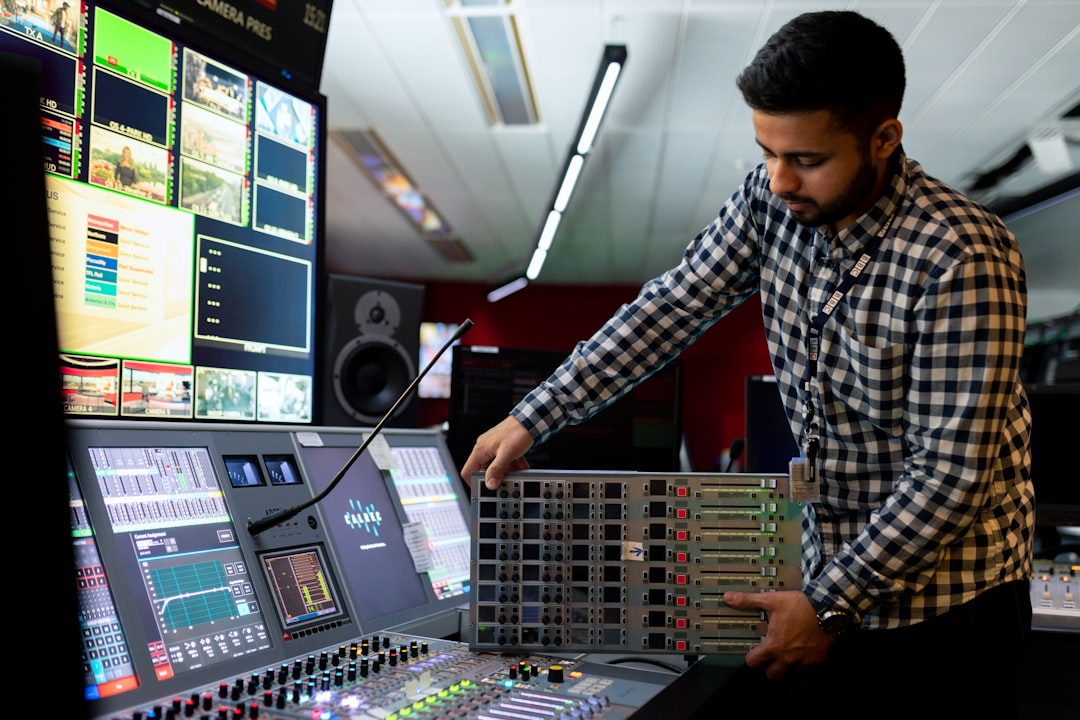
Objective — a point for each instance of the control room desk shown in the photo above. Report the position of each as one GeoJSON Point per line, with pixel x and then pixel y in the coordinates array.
{"type": "Point", "coordinates": [692, 691]}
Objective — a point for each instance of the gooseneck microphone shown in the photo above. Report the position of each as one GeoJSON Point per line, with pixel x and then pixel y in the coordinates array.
{"type": "Point", "coordinates": [735, 452]}
{"type": "Point", "coordinates": [257, 526]}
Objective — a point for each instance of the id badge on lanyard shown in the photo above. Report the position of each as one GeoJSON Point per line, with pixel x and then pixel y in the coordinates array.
{"type": "Point", "coordinates": [804, 471]}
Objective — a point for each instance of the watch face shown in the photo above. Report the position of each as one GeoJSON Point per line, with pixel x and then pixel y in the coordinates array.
{"type": "Point", "coordinates": [834, 622]}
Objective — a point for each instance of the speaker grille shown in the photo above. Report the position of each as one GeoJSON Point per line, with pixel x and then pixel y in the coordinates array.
{"type": "Point", "coordinates": [372, 351]}
{"type": "Point", "coordinates": [369, 375]}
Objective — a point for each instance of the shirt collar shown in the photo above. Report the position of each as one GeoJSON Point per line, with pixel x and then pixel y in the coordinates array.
{"type": "Point", "coordinates": [855, 236]}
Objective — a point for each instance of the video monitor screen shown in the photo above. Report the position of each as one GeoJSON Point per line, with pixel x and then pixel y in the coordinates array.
{"type": "Point", "coordinates": [302, 584]}
{"type": "Point", "coordinates": [184, 205]}
{"type": "Point", "coordinates": [432, 498]}
{"type": "Point", "coordinates": [282, 470]}
{"type": "Point", "coordinates": [243, 471]}
{"type": "Point", "coordinates": [433, 337]}
{"type": "Point", "coordinates": [400, 514]}
{"type": "Point", "coordinates": [379, 566]}
{"type": "Point", "coordinates": [106, 657]}
{"type": "Point", "coordinates": [177, 541]}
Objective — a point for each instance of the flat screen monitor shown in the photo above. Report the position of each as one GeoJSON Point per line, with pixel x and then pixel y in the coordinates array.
{"type": "Point", "coordinates": [1055, 410]}
{"type": "Point", "coordinates": [398, 521]}
{"type": "Point", "coordinates": [426, 486]}
{"type": "Point", "coordinates": [302, 585]}
{"type": "Point", "coordinates": [288, 37]}
{"type": "Point", "coordinates": [433, 336]}
{"type": "Point", "coordinates": [184, 197]}
{"type": "Point", "coordinates": [106, 656]}
{"type": "Point", "coordinates": [770, 445]}
{"type": "Point", "coordinates": [641, 431]}
{"type": "Point", "coordinates": [177, 544]}
{"type": "Point", "coordinates": [282, 469]}
{"type": "Point", "coordinates": [1044, 222]}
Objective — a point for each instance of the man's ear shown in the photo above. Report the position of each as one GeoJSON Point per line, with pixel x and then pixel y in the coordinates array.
{"type": "Point", "coordinates": [887, 138]}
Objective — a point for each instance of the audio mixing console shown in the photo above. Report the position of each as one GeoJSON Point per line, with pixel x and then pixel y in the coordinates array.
{"type": "Point", "coordinates": [356, 609]}
{"type": "Point", "coordinates": [1055, 596]}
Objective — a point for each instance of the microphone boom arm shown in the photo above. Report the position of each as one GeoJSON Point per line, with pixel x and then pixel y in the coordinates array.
{"type": "Point", "coordinates": [257, 526]}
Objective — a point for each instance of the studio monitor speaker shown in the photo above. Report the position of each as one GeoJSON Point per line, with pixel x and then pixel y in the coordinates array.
{"type": "Point", "coordinates": [372, 351]}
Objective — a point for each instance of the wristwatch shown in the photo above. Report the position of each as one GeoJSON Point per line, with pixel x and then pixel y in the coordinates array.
{"type": "Point", "coordinates": [833, 622]}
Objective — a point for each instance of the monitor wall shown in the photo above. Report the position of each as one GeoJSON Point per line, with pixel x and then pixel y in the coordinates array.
{"type": "Point", "coordinates": [177, 183]}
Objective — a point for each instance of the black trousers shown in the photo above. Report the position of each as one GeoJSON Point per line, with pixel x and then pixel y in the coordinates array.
{"type": "Point", "coordinates": [964, 664]}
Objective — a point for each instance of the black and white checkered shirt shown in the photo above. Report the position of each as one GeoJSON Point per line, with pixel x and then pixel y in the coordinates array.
{"type": "Point", "coordinates": [926, 497]}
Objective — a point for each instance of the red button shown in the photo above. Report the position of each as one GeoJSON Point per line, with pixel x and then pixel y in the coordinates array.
{"type": "Point", "coordinates": [680, 557]}
{"type": "Point", "coordinates": [680, 513]}
{"type": "Point", "coordinates": [681, 492]}
{"type": "Point", "coordinates": [680, 534]}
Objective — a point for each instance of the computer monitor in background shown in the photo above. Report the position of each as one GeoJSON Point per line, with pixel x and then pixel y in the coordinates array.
{"type": "Point", "coordinates": [769, 442]}
{"type": "Point", "coordinates": [642, 431]}
{"type": "Point", "coordinates": [1055, 410]}
{"type": "Point", "coordinates": [433, 336]}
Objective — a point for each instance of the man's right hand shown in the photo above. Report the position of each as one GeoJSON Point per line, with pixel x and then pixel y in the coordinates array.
{"type": "Point", "coordinates": [498, 451]}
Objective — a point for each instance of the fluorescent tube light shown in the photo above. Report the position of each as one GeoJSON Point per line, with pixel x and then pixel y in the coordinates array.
{"type": "Point", "coordinates": [573, 170]}
{"type": "Point", "coordinates": [599, 106]}
{"type": "Point", "coordinates": [537, 262]}
{"type": "Point", "coordinates": [607, 75]}
{"type": "Point", "coordinates": [507, 289]}
{"type": "Point", "coordinates": [548, 233]}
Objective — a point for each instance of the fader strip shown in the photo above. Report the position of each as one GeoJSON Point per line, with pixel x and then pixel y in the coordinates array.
{"type": "Point", "coordinates": [390, 676]}
{"type": "Point", "coordinates": [606, 561]}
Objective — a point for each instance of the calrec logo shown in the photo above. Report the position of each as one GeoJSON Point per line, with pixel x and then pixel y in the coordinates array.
{"type": "Point", "coordinates": [272, 4]}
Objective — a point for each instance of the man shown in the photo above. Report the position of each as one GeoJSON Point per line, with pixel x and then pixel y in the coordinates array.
{"type": "Point", "coordinates": [894, 310]}
{"type": "Point", "coordinates": [59, 22]}
{"type": "Point", "coordinates": [11, 9]}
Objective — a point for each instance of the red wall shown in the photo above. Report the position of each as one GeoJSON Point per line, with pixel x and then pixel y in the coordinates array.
{"type": "Point", "coordinates": [554, 317]}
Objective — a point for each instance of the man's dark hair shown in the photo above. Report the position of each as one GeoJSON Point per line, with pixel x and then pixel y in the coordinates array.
{"type": "Point", "coordinates": [836, 60]}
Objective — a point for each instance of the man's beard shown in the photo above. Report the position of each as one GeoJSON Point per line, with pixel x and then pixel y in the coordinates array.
{"type": "Point", "coordinates": [853, 197]}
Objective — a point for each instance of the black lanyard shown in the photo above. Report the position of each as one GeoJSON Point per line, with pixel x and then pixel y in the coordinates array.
{"type": "Point", "coordinates": [813, 341]}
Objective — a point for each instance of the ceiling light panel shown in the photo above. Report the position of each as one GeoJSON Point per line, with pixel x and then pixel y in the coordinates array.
{"type": "Point", "coordinates": [380, 166]}
{"type": "Point", "coordinates": [487, 31]}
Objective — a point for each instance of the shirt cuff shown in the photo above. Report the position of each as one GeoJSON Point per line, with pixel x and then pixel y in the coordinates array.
{"type": "Point", "coordinates": [833, 589]}
{"type": "Point", "coordinates": [540, 413]}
